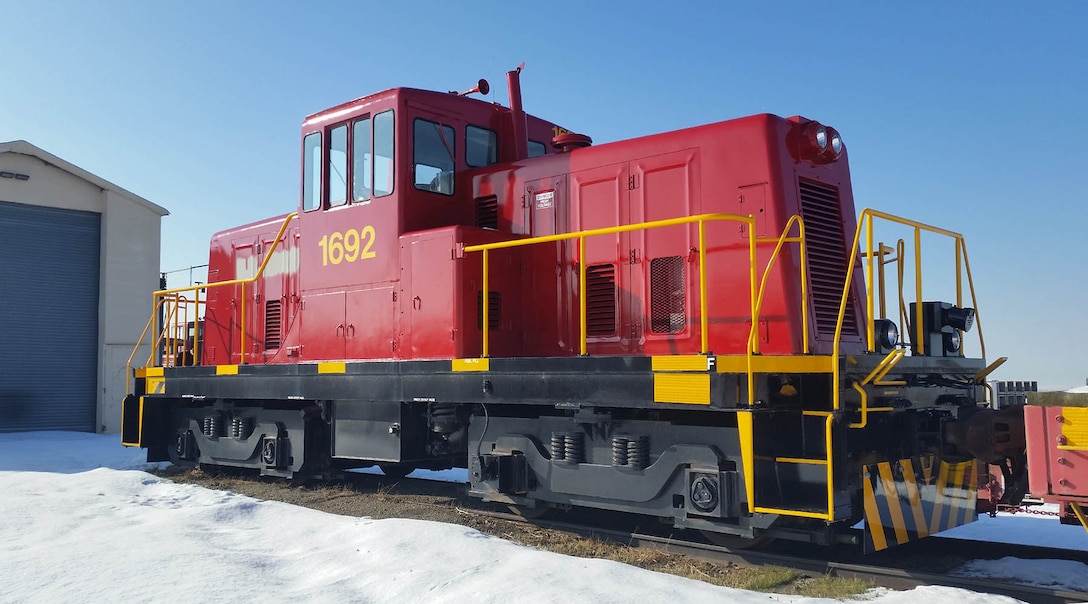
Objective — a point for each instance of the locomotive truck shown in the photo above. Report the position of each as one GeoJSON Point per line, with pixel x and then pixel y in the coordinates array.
{"type": "Point", "coordinates": [694, 325]}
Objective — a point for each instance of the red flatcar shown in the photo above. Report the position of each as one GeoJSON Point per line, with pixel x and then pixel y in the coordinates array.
{"type": "Point", "coordinates": [676, 325]}
{"type": "Point", "coordinates": [1057, 440]}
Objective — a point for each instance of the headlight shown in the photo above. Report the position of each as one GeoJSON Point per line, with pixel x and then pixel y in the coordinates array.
{"type": "Point", "coordinates": [887, 334]}
{"type": "Point", "coordinates": [952, 341]}
{"type": "Point", "coordinates": [959, 318]}
{"type": "Point", "coordinates": [836, 142]}
{"type": "Point", "coordinates": [820, 144]}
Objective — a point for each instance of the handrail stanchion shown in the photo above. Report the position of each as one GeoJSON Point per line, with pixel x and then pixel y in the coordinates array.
{"type": "Point", "coordinates": [752, 284]}
{"type": "Point", "coordinates": [870, 338]}
{"type": "Point", "coordinates": [753, 334]}
{"type": "Point", "coordinates": [804, 285]}
{"type": "Point", "coordinates": [484, 303]}
{"type": "Point", "coordinates": [974, 301]}
{"type": "Point", "coordinates": [919, 328]}
{"type": "Point", "coordinates": [581, 295]}
{"type": "Point", "coordinates": [901, 275]}
{"type": "Point", "coordinates": [242, 326]}
{"type": "Point", "coordinates": [959, 279]}
{"type": "Point", "coordinates": [830, 468]}
{"type": "Point", "coordinates": [704, 336]}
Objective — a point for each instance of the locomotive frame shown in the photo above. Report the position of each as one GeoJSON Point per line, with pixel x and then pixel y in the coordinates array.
{"type": "Point", "coordinates": [588, 327]}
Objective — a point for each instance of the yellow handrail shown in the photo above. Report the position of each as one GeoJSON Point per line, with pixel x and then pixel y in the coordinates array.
{"type": "Point", "coordinates": [800, 239]}
{"type": "Point", "coordinates": [161, 297]}
{"type": "Point", "coordinates": [701, 219]}
{"type": "Point", "coordinates": [757, 303]}
{"type": "Point", "coordinates": [128, 365]}
{"type": "Point", "coordinates": [756, 293]}
{"type": "Point", "coordinates": [865, 223]}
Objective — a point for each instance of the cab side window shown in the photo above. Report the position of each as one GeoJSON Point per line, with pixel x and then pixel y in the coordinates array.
{"type": "Point", "coordinates": [371, 157]}
{"type": "Point", "coordinates": [338, 166]}
{"type": "Point", "coordinates": [433, 156]}
{"type": "Point", "coordinates": [481, 147]}
{"type": "Point", "coordinates": [311, 171]}
{"type": "Point", "coordinates": [362, 175]}
{"type": "Point", "coordinates": [383, 154]}
{"type": "Point", "coordinates": [537, 149]}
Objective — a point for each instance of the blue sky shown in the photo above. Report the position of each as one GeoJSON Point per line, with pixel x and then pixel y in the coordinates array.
{"type": "Point", "coordinates": [967, 115]}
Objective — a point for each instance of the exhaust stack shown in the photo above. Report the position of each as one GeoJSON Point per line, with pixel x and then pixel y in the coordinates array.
{"type": "Point", "coordinates": [517, 114]}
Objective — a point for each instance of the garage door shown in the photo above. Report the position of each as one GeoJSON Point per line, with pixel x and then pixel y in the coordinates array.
{"type": "Point", "coordinates": [48, 318]}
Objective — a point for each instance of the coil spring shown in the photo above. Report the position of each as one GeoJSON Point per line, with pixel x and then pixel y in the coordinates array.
{"type": "Point", "coordinates": [619, 450]}
{"type": "Point", "coordinates": [638, 452]}
{"type": "Point", "coordinates": [211, 425]}
{"type": "Point", "coordinates": [574, 447]}
{"type": "Point", "coordinates": [557, 446]}
{"type": "Point", "coordinates": [241, 427]}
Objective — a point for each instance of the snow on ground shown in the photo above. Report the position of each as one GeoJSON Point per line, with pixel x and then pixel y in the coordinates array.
{"type": "Point", "coordinates": [81, 521]}
{"type": "Point", "coordinates": [1025, 528]}
{"type": "Point", "coordinates": [1065, 574]}
{"type": "Point", "coordinates": [452, 475]}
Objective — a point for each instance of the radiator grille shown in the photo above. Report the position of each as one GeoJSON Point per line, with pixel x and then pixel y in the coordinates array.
{"type": "Point", "coordinates": [273, 324]}
{"type": "Point", "coordinates": [601, 300]}
{"type": "Point", "coordinates": [487, 212]}
{"type": "Point", "coordinates": [827, 257]}
{"type": "Point", "coordinates": [494, 310]}
{"type": "Point", "coordinates": [667, 295]}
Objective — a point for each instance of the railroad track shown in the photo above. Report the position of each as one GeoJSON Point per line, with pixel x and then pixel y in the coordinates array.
{"type": "Point", "coordinates": [892, 577]}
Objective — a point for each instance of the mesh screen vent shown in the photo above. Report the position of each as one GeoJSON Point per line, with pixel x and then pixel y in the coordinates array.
{"type": "Point", "coordinates": [273, 324]}
{"type": "Point", "coordinates": [487, 212]}
{"type": "Point", "coordinates": [494, 310]}
{"type": "Point", "coordinates": [827, 257]}
{"type": "Point", "coordinates": [601, 300]}
{"type": "Point", "coordinates": [667, 295]}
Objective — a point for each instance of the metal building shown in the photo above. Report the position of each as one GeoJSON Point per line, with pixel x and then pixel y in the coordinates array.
{"type": "Point", "coordinates": [1007, 393]}
{"type": "Point", "coordinates": [78, 258]}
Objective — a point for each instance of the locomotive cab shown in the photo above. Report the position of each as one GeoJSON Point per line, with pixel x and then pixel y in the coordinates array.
{"type": "Point", "coordinates": [385, 179]}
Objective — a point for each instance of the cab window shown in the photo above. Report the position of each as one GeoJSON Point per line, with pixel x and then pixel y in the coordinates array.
{"type": "Point", "coordinates": [362, 175]}
{"type": "Point", "coordinates": [433, 156]}
{"type": "Point", "coordinates": [383, 153]}
{"type": "Point", "coordinates": [311, 171]}
{"type": "Point", "coordinates": [537, 149]}
{"type": "Point", "coordinates": [338, 166]}
{"type": "Point", "coordinates": [481, 147]}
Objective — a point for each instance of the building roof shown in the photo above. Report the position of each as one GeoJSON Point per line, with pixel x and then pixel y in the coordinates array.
{"type": "Point", "coordinates": [25, 148]}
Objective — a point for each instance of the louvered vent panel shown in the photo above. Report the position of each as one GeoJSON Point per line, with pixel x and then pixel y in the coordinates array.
{"type": "Point", "coordinates": [601, 300]}
{"type": "Point", "coordinates": [667, 295]}
{"type": "Point", "coordinates": [827, 257]}
{"type": "Point", "coordinates": [487, 212]}
{"type": "Point", "coordinates": [273, 324]}
{"type": "Point", "coordinates": [494, 310]}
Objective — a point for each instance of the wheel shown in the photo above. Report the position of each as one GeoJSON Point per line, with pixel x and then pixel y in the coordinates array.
{"type": "Point", "coordinates": [396, 471]}
{"type": "Point", "coordinates": [736, 542]}
{"type": "Point", "coordinates": [531, 513]}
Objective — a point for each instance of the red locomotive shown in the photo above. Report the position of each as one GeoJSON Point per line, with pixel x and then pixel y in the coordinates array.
{"type": "Point", "coordinates": [676, 325]}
